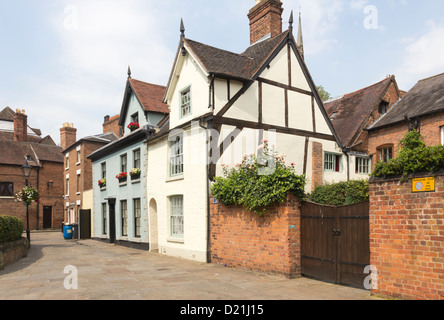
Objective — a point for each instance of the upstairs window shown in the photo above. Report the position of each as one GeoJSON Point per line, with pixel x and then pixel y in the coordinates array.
{"type": "Point", "coordinates": [103, 170]}
{"type": "Point", "coordinates": [332, 162]}
{"type": "Point", "coordinates": [385, 153]}
{"type": "Point", "coordinates": [136, 157]}
{"type": "Point", "coordinates": [6, 189]}
{"type": "Point", "coordinates": [135, 117]}
{"type": "Point", "coordinates": [185, 102]}
{"type": "Point", "coordinates": [176, 157]}
{"type": "Point", "coordinates": [123, 163]}
{"type": "Point", "coordinates": [442, 135]}
{"type": "Point", "coordinates": [383, 107]}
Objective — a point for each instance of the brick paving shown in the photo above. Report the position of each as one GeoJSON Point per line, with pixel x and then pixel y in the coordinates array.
{"type": "Point", "coordinates": [109, 272]}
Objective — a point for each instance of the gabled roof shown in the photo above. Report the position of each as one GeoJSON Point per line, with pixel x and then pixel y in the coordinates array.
{"type": "Point", "coordinates": [425, 98]}
{"type": "Point", "coordinates": [226, 63]}
{"type": "Point", "coordinates": [16, 152]}
{"type": "Point", "coordinates": [150, 97]}
{"type": "Point", "coordinates": [350, 112]}
{"type": "Point", "coordinates": [7, 114]}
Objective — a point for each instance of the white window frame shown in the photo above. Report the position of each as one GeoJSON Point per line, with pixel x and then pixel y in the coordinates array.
{"type": "Point", "coordinates": [176, 157]}
{"type": "Point", "coordinates": [124, 163]}
{"type": "Point", "coordinates": [185, 102]}
{"type": "Point", "coordinates": [137, 210]}
{"type": "Point", "coordinates": [330, 162]}
{"type": "Point", "coordinates": [124, 216]}
{"type": "Point", "coordinates": [176, 216]}
{"type": "Point", "coordinates": [363, 165]}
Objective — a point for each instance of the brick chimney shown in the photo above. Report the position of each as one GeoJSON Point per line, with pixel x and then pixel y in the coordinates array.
{"type": "Point", "coordinates": [265, 19]}
{"type": "Point", "coordinates": [68, 135]}
{"type": "Point", "coordinates": [20, 126]}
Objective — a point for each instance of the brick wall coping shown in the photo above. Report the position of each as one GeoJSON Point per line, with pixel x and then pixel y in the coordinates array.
{"type": "Point", "coordinates": [408, 177]}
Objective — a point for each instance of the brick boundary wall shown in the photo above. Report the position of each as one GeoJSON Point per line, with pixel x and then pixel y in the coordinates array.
{"type": "Point", "coordinates": [13, 251]}
{"type": "Point", "coordinates": [269, 243]}
{"type": "Point", "coordinates": [407, 239]}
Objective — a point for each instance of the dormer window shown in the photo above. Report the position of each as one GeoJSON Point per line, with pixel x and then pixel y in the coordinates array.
{"type": "Point", "coordinates": [383, 107]}
{"type": "Point", "coordinates": [185, 102]}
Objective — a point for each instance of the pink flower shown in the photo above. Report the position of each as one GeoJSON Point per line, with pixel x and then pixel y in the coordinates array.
{"type": "Point", "coordinates": [265, 140]}
{"type": "Point", "coordinates": [293, 164]}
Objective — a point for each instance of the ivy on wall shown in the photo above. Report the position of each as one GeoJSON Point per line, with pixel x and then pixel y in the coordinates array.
{"type": "Point", "coordinates": [414, 157]}
{"type": "Point", "coordinates": [259, 181]}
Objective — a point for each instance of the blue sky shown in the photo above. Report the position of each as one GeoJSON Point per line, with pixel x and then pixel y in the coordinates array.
{"type": "Point", "coordinates": [66, 60]}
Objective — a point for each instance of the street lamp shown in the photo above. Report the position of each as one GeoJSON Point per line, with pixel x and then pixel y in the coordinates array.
{"type": "Point", "coordinates": [26, 169]}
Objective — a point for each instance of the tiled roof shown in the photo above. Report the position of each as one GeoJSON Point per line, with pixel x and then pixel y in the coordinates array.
{"type": "Point", "coordinates": [227, 63]}
{"type": "Point", "coordinates": [349, 112]}
{"type": "Point", "coordinates": [150, 96]}
{"type": "Point", "coordinates": [16, 151]}
{"type": "Point", "coordinates": [426, 97]}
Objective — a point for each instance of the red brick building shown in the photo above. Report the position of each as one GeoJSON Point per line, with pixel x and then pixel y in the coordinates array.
{"type": "Point", "coordinates": [77, 175]}
{"type": "Point", "coordinates": [352, 113]}
{"type": "Point", "coordinates": [422, 109]}
{"type": "Point", "coordinates": [18, 140]}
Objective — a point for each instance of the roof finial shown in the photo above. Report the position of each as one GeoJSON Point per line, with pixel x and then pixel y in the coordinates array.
{"type": "Point", "coordinates": [300, 41]}
{"type": "Point", "coordinates": [290, 22]}
{"type": "Point", "coordinates": [129, 72]}
{"type": "Point", "coordinates": [182, 29]}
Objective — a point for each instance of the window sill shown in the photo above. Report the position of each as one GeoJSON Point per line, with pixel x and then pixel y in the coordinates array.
{"type": "Point", "coordinates": [78, 163]}
{"type": "Point", "coordinates": [135, 181]}
{"type": "Point", "coordinates": [175, 178]}
{"type": "Point", "coordinates": [122, 184]}
{"type": "Point", "coordinates": [103, 189]}
{"type": "Point", "coordinates": [175, 240]}
{"type": "Point", "coordinates": [7, 197]}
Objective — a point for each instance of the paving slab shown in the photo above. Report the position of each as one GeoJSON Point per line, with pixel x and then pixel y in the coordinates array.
{"type": "Point", "coordinates": [110, 272]}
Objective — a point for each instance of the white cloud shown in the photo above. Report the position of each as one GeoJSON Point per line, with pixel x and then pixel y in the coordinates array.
{"type": "Point", "coordinates": [98, 40]}
{"type": "Point", "coordinates": [423, 56]}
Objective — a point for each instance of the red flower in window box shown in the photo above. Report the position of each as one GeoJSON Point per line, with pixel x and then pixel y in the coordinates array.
{"type": "Point", "coordinates": [122, 176]}
{"type": "Point", "coordinates": [133, 126]}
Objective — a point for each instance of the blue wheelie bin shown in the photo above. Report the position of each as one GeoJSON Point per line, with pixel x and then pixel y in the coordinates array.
{"type": "Point", "coordinates": [67, 232]}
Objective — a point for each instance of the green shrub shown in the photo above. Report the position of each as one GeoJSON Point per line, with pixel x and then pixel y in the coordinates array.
{"type": "Point", "coordinates": [414, 157]}
{"type": "Point", "coordinates": [11, 229]}
{"type": "Point", "coordinates": [250, 185]}
{"type": "Point", "coordinates": [342, 193]}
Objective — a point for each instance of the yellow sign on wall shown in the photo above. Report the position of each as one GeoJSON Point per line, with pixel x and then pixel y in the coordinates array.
{"type": "Point", "coordinates": [423, 185]}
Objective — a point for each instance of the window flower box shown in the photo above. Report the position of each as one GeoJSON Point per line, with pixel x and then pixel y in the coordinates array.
{"type": "Point", "coordinates": [133, 126]}
{"type": "Point", "coordinates": [102, 183]}
{"type": "Point", "coordinates": [135, 173]}
{"type": "Point", "coordinates": [122, 177]}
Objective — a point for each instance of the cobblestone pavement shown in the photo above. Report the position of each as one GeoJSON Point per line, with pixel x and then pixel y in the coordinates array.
{"type": "Point", "coordinates": [109, 272]}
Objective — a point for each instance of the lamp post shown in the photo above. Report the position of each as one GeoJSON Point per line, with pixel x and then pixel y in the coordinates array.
{"type": "Point", "coordinates": [26, 169]}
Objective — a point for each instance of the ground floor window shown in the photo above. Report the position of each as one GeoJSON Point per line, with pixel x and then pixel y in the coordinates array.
{"type": "Point", "coordinates": [137, 216]}
{"type": "Point", "coordinates": [332, 162]}
{"type": "Point", "coordinates": [362, 165]}
{"type": "Point", "coordinates": [176, 216]}
{"type": "Point", "coordinates": [124, 215]}
{"type": "Point", "coordinates": [6, 189]}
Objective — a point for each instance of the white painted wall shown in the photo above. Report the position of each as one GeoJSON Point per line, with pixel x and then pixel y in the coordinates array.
{"type": "Point", "coordinates": [191, 185]}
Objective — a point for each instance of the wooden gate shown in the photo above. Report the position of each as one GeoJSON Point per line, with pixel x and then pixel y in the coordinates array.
{"type": "Point", "coordinates": [335, 242]}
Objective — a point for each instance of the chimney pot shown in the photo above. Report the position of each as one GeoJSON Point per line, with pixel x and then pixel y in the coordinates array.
{"type": "Point", "coordinates": [20, 126]}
